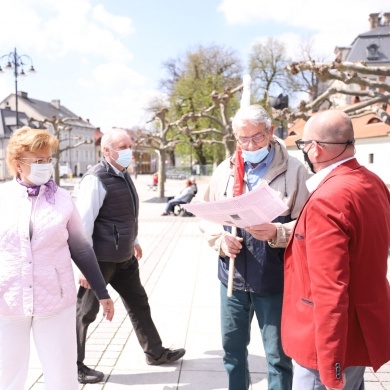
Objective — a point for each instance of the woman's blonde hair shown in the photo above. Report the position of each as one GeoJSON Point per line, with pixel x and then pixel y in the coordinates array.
{"type": "Point", "coordinates": [27, 139]}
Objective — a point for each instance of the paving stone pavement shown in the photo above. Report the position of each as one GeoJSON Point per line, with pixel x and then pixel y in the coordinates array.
{"type": "Point", "coordinates": [179, 272]}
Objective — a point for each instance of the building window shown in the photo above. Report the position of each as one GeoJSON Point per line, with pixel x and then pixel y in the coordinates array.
{"type": "Point", "coordinates": [372, 52]}
{"type": "Point", "coordinates": [371, 158]}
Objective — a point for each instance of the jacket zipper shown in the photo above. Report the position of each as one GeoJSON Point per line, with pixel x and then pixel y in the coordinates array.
{"type": "Point", "coordinates": [116, 236]}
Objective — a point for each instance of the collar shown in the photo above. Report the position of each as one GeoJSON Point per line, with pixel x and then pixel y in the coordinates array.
{"type": "Point", "coordinates": [50, 189]}
{"type": "Point", "coordinates": [116, 170]}
{"type": "Point", "coordinates": [313, 183]}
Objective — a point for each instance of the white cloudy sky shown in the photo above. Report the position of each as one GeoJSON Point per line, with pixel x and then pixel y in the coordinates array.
{"type": "Point", "coordinates": [103, 58]}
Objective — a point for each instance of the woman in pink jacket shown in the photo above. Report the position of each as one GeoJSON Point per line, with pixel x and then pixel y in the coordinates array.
{"type": "Point", "coordinates": [40, 232]}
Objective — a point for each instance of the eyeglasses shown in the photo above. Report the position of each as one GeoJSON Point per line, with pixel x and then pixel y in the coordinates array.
{"type": "Point", "coordinates": [258, 138]}
{"type": "Point", "coordinates": [39, 161]}
{"type": "Point", "coordinates": [301, 143]}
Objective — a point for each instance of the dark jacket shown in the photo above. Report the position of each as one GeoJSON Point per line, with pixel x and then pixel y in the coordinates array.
{"type": "Point", "coordinates": [258, 267]}
{"type": "Point", "coordinates": [116, 226]}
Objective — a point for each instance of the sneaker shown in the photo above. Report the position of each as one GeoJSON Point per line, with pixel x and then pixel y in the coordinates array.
{"type": "Point", "coordinates": [88, 375]}
{"type": "Point", "coordinates": [169, 356]}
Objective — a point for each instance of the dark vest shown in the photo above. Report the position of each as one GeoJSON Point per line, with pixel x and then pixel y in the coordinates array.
{"type": "Point", "coordinates": [116, 226]}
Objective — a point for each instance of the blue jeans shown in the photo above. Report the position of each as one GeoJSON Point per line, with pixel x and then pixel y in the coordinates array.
{"type": "Point", "coordinates": [236, 317]}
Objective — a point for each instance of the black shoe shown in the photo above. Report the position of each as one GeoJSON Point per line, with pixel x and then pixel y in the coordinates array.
{"type": "Point", "coordinates": [88, 375]}
{"type": "Point", "coordinates": [169, 356]}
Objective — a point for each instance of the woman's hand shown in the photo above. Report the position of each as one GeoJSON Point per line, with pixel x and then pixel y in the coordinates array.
{"type": "Point", "coordinates": [108, 308]}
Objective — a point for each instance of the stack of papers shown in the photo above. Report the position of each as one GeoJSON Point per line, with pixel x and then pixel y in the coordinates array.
{"type": "Point", "coordinates": [256, 207]}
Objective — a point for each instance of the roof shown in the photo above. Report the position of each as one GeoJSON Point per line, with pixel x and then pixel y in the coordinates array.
{"type": "Point", "coordinates": [98, 136]}
{"type": "Point", "coordinates": [8, 121]}
{"type": "Point", "coordinates": [372, 46]}
{"type": "Point", "coordinates": [52, 109]}
{"type": "Point", "coordinates": [366, 125]}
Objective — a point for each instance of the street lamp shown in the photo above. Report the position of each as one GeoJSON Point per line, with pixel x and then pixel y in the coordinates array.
{"type": "Point", "coordinates": [15, 61]}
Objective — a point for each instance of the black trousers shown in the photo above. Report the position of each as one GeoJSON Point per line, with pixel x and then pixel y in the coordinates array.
{"type": "Point", "coordinates": [124, 278]}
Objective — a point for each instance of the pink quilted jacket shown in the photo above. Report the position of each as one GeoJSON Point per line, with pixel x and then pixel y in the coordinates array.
{"type": "Point", "coordinates": [36, 275]}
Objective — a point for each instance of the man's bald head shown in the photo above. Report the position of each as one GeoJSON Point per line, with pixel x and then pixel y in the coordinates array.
{"type": "Point", "coordinates": [328, 137]}
{"type": "Point", "coordinates": [329, 126]}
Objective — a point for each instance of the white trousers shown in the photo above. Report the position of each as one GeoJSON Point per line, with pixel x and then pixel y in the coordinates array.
{"type": "Point", "coordinates": [55, 341]}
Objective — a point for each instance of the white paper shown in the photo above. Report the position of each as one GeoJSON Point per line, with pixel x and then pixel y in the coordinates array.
{"type": "Point", "coordinates": [261, 205]}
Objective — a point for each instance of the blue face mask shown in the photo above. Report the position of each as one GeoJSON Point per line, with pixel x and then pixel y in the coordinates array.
{"type": "Point", "coordinates": [124, 157]}
{"type": "Point", "coordinates": [255, 156]}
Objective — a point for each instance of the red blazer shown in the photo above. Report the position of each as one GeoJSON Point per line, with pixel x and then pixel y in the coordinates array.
{"type": "Point", "coordinates": [336, 309]}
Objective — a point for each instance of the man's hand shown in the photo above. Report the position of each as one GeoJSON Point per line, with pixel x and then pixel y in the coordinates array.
{"type": "Point", "coordinates": [231, 245]}
{"type": "Point", "coordinates": [263, 232]}
{"type": "Point", "coordinates": [83, 282]}
{"type": "Point", "coordinates": [108, 308]}
{"type": "Point", "coordinates": [137, 251]}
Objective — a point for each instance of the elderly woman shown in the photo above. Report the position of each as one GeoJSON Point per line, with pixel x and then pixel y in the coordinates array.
{"type": "Point", "coordinates": [40, 231]}
{"type": "Point", "coordinates": [185, 196]}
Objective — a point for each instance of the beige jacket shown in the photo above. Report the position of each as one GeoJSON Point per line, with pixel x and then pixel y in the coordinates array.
{"type": "Point", "coordinates": [286, 175]}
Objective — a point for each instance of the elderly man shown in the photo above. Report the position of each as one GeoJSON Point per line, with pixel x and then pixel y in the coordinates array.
{"type": "Point", "coordinates": [336, 309]}
{"type": "Point", "coordinates": [108, 204]}
{"type": "Point", "coordinates": [258, 250]}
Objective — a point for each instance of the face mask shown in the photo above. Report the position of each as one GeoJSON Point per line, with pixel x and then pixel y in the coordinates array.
{"type": "Point", "coordinates": [124, 157]}
{"type": "Point", "coordinates": [307, 159]}
{"type": "Point", "coordinates": [255, 156]}
{"type": "Point", "coordinates": [40, 173]}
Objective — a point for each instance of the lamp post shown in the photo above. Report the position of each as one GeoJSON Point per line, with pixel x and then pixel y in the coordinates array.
{"type": "Point", "coordinates": [15, 61]}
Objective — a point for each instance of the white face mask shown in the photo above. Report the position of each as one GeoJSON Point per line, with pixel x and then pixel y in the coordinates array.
{"type": "Point", "coordinates": [124, 157]}
{"type": "Point", "coordinates": [40, 173]}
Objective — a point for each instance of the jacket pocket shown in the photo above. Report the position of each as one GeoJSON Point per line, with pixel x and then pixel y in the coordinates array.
{"type": "Point", "coordinates": [115, 233]}
{"type": "Point", "coordinates": [59, 283]}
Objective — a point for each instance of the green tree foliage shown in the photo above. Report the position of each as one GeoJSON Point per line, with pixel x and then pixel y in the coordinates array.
{"type": "Point", "coordinates": [189, 83]}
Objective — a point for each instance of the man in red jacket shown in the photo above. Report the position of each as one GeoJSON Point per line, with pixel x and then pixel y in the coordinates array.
{"type": "Point", "coordinates": [336, 307]}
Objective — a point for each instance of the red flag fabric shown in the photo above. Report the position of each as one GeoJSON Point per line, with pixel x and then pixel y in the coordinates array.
{"type": "Point", "coordinates": [239, 171]}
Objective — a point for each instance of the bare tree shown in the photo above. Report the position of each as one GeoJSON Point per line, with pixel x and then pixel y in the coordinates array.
{"type": "Point", "coordinates": [221, 133]}
{"type": "Point", "coordinates": [163, 139]}
{"type": "Point", "coordinates": [308, 82]}
{"type": "Point", "coordinates": [267, 64]}
{"type": "Point", "coordinates": [372, 81]}
{"type": "Point", "coordinates": [168, 133]}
